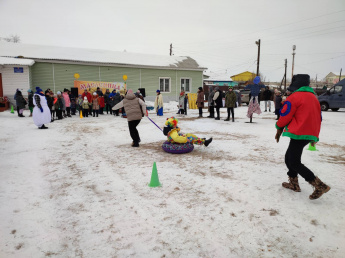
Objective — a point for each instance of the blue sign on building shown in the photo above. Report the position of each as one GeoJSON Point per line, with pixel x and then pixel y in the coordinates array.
{"type": "Point", "coordinates": [18, 69]}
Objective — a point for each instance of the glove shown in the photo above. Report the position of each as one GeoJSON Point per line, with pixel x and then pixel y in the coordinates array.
{"type": "Point", "coordinates": [41, 109]}
{"type": "Point", "coordinates": [278, 134]}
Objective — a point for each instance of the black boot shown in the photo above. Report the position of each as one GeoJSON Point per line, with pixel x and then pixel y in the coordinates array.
{"type": "Point", "coordinates": [228, 119]}
{"type": "Point", "coordinates": [207, 142]}
{"type": "Point", "coordinates": [43, 127]}
{"type": "Point", "coordinates": [233, 119]}
{"type": "Point", "coordinates": [217, 118]}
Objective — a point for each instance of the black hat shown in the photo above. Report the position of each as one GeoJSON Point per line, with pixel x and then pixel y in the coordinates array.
{"type": "Point", "coordinates": [298, 81]}
{"type": "Point", "coordinates": [65, 90]}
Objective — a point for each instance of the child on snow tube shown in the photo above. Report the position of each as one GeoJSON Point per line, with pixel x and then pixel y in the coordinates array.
{"type": "Point", "coordinates": [174, 136]}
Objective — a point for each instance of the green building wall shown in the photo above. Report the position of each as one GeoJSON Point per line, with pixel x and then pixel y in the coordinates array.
{"type": "Point", "coordinates": [58, 76]}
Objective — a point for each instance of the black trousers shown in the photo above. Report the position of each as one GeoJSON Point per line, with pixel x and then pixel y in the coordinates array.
{"type": "Point", "coordinates": [132, 125]}
{"type": "Point", "coordinates": [211, 111]}
{"type": "Point", "coordinates": [200, 111]}
{"type": "Point", "coordinates": [231, 109]}
{"type": "Point", "coordinates": [68, 109]}
{"type": "Point", "coordinates": [59, 114]}
{"type": "Point", "coordinates": [217, 109]}
{"type": "Point", "coordinates": [85, 112]}
{"type": "Point", "coordinates": [108, 108]}
{"type": "Point", "coordinates": [95, 112]}
{"type": "Point", "coordinates": [293, 160]}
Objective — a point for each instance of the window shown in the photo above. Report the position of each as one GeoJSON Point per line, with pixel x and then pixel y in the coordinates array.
{"type": "Point", "coordinates": [336, 89]}
{"type": "Point", "coordinates": [185, 84]}
{"type": "Point", "coordinates": [164, 84]}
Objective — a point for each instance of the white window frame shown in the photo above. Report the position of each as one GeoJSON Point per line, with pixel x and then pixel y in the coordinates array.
{"type": "Point", "coordinates": [159, 84]}
{"type": "Point", "coordinates": [190, 83]}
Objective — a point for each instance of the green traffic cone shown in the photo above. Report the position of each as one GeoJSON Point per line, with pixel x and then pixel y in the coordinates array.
{"type": "Point", "coordinates": [12, 110]}
{"type": "Point", "coordinates": [154, 177]}
{"type": "Point", "coordinates": [312, 148]}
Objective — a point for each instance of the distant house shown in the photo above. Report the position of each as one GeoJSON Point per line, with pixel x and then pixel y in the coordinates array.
{"type": "Point", "coordinates": [27, 66]}
{"type": "Point", "coordinates": [243, 77]}
{"type": "Point", "coordinates": [333, 78]}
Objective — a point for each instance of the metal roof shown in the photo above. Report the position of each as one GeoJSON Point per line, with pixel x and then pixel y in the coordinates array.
{"type": "Point", "coordinates": [16, 61]}
{"type": "Point", "coordinates": [51, 53]}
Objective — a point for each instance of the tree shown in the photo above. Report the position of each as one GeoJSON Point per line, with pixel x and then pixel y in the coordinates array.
{"type": "Point", "coordinates": [12, 38]}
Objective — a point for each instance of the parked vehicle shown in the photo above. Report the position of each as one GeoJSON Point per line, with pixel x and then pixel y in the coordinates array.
{"type": "Point", "coordinates": [245, 96]}
{"type": "Point", "coordinates": [333, 98]}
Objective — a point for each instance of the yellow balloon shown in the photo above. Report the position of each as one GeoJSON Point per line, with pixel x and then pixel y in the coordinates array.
{"type": "Point", "coordinates": [76, 75]}
{"type": "Point", "coordinates": [124, 77]}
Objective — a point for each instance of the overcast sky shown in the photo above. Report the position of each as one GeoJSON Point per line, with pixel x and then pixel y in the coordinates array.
{"type": "Point", "coordinates": [219, 35]}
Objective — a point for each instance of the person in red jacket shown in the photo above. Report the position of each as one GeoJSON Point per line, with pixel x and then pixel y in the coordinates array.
{"type": "Point", "coordinates": [300, 117]}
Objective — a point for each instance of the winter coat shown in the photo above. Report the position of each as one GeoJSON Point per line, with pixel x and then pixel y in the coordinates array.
{"type": "Point", "coordinates": [56, 105]}
{"type": "Point", "coordinates": [101, 102]}
{"type": "Point", "coordinates": [116, 99]}
{"type": "Point", "coordinates": [67, 100]}
{"type": "Point", "coordinates": [85, 104]}
{"type": "Point", "coordinates": [174, 136]}
{"type": "Point", "coordinates": [135, 107]}
{"type": "Point", "coordinates": [106, 98]}
{"type": "Point", "coordinates": [267, 95]}
{"type": "Point", "coordinates": [99, 93]}
{"type": "Point", "coordinates": [218, 98]}
{"type": "Point", "coordinates": [30, 98]}
{"type": "Point", "coordinates": [49, 101]}
{"type": "Point", "coordinates": [200, 99]}
{"type": "Point", "coordinates": [61, 101]}
{"type": "Point", "coordinates": [301, 115]}
{"type": "Point", "coordinates": [158, 101]}
{"type": "Point", "coordinates": [210, 97]}
{"type": "Point", "coordinates": [21, 102]}
{"type": "Point", "coordinates": [278, 102]}
{"type": "Point", "coordinates": [254, 89]}
{"type": "Point", "coordinates": [230, 99]}
{"type": "Point", "coordinates": [88, 96]}
{"type": "Point", "coordinates": [95, 103]}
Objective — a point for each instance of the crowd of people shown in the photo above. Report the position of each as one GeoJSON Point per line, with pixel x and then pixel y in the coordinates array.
{"type": "Point", "coordinates": [64, 104]}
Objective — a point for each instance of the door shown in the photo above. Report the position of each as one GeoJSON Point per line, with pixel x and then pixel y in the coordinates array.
{"type": "Point", "coordinates": [337, 98]}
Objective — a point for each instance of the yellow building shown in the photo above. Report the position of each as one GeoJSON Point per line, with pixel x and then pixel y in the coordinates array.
{"type": "Point", "coordinates": [243, 77]}
{"type": "Point", "coordinates": [333, 78]}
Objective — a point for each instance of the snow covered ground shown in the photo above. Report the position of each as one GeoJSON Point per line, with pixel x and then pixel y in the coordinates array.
{"type": "Point", "coordinates": [79, 189]}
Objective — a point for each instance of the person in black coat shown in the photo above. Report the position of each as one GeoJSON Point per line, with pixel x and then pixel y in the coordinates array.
{"type": "Point", "coordinates": [267, 98]}
{"type": "Point", "coordinates": [278, 104]}
{"type": "Point", "coordinates": [21, 102]}
{"type": "Point", "coordinates": [218, 99]}
{"type": "Point", "coordinates": [50, 102]}
{"type": "Point", "coordinates": [31, 102]}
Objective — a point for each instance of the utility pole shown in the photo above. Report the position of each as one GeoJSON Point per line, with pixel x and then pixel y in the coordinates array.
{"type": "Point", "coordinates": [340, 73]}
{"type": "Point", "coordinates": [293, 58]}
{"type": "Point", "coordinates": [258, 63]}
{"type": "Point", "coordinates": [170, 49]}
{"type": "Point", "coordinates": [285, 75]}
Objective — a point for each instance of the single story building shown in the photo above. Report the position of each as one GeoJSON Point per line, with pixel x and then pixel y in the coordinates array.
{"type": "Point", "coordinates": [27, 66]}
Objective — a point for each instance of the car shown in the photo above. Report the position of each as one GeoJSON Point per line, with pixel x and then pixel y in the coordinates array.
{"type": "Point", "coordinates": [245, 96]}
{"type": "Point", "coordinates": [333, 98]}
